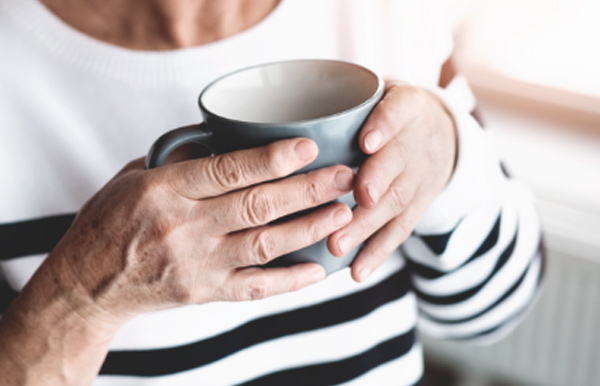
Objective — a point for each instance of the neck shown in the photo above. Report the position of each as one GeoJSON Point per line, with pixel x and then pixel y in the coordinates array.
{"type": "Point", "coordinates": [160, 24]}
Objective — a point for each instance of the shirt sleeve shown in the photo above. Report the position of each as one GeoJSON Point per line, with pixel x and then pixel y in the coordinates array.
{"type": "Point", "coordinates": [476, 256]}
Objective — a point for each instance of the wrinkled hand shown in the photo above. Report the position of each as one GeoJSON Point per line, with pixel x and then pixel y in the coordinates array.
{"type": "Point", "coordinates": [191, 232]}
{"type": "Point", "coordinates": [411, 140]}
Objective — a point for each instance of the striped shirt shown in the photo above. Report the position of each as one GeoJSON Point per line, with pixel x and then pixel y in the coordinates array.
{"type": "Point", "coordinates": [74, 110]}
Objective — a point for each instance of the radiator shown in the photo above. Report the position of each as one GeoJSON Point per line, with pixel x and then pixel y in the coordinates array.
{"type": "Point", "coordinates": [558, 343]}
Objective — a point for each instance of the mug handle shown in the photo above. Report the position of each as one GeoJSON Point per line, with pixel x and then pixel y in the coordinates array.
{"type": "Point", "coordinates": [171, 140]}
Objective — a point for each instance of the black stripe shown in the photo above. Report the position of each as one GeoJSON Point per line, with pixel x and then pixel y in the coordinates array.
{"type": "Point", "coordinates": [505, 296]}
{"type": "Point", "coordinates": [333, 373]}
{"type": "Point", "coordinates": [489, 242]}
{"type": "Point", "coordinates": [432, 273]}
{"type": "Point", "coordinates": [492, 329]}
{"type": "Point", "coordinates": [437, 243]}
{"type": "Point", "coordinates": [33, 237]}
{"type": "Point", "coordinates": [543, 253]}
{"type": "Point", "coordinates": [461, 296]}
{"type": "Point", "coordinates": [423, 270]}
{"type": "Point", "coordinates": [513, 317]}
{"type": "Point", "coordinates": [7, 295]}
{"type": "Point", "coordinates": [505, 170]}
{"type": "Point", "coordinates": [185, 357]}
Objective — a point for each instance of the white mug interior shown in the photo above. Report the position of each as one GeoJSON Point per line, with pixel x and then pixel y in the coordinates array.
{"type": "Point", "coordinates": [290, 91]}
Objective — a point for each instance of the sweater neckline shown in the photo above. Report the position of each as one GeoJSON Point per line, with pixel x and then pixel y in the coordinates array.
{"type": "Point", "coordinates": [136, 66]}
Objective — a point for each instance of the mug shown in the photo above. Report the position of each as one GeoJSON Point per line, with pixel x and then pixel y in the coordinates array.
{"type": "Point", "coordinates": [324, 100]}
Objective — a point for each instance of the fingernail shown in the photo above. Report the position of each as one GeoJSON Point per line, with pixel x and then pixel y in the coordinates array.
{"type": "Point", "coordinates": [341, 217]}
{"type": "Point", "coordinates": [344, 244]}
{"type": "Point", "coordinates": [305, 150]}
{"type": "Point", "coordinates": [363, 273]}
{"type": "Point", "coordinates": [373, 140]}
{"type": "Point", "coordinates": [373, 193]}
{"type": "Point", "coordinates": [343, 180]}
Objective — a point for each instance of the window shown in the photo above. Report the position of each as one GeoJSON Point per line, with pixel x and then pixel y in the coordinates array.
{"type": "Point", "coordinates": [553, 43]}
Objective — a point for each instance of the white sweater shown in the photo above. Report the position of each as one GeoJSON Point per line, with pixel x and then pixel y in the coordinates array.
{"type": "Point", "coordinates": [74, 110]}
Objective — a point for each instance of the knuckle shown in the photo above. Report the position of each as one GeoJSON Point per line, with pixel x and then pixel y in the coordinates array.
{"type": "Point", "coordinates": [315, 232]}
{"type": "Point", "coordinates": [399, 198]}
{"type": "Point", "coordinates": [376, 255]}
{"type": "Point", "coordinates": [227, 172]}
{"type": "Point", "coordinates": [130, 166]}
{"type": "Point", "coordinates": [313, 192]}
{"type": "Point", "coordinates": [295, 285]}
{"type": "Point", "coordinates": [418, 94]}
{"type": "Point", "coordinates": [256, 290]}
{"type": "Point", "coordinates": [148, 191]}
{"type": "Point", "coordinates": [386, 116]}
{"type": "Point", "coordinates": [275, 161]}
{"type": "Point", "coordinates": [263, 247]}
{"type": "Point", "coordinates": [182, 294]}
{"type": "Point", "coordinates": [405, 93]}
{"type": "Point", "coordinates": [258, 208]}
{"type": "Point", "coordinates": [146, 212]}
{"type": "Point", "coordinates": [401, 151]}
{"type": "Point", "coordinates": [411, 91]}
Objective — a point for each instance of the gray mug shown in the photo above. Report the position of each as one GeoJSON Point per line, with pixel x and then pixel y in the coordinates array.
{"type": "Point", "coordinates": [324, 100]}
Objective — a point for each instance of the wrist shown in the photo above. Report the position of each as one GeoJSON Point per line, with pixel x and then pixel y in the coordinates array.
{"type": "Point", "coordinates": [73, 298]}
{"type": "Point", "coordinates": [51, 333]}
{"type": "Point", "coordinates": [442, 139]}
{"type": "Point", "coordinates": [448, 125]}
{"type": "Point", "coordinates": [473, 175]}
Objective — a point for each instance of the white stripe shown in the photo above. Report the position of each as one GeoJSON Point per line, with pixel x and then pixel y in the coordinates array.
{"type": "Point", "coordinates": [403, 371]}
{"type": "Point", "coordinates": [323, 345]}
{"type": "Point", "coordinates": [508, 327]}
{"type": "Point", "coordinates": [193, 323]}
{"type": "Point", "coordinates": [525, 249]}
{"type": "Point", "coordinates": [476, 271]}
{"type": "Point", "coordinates": [512, 305]}
{"type": "Point", "coordinates": [464, 241]}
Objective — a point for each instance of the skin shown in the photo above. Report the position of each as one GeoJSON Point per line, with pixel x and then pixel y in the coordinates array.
{"type": "Point", "coordinates": [191, 232]}
{"type": "Point", "coordinates": [411, 139]}
{"type": "Point", "coordinates": [160, 24]}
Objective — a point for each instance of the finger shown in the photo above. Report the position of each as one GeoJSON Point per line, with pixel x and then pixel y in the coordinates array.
{"type": "Point", "coordinates": [259, 283]}
{"type": "Point", "coordinates": [265, 203]}
{"type": "Point", "coordinates": [400, 104]}
{"type": "Point", "coordinates": [213, 176]}
{"type": "Point", "coordinates": [259, 246]}
{"type": "Point", "coordinates": [386, 240]}
{"type": "Point", "coordinates": [377, 172]}
{"type": "Point", "coordinates": [366, 222]}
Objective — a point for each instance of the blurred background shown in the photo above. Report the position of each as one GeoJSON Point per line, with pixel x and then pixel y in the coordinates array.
{"type": "Point", "coordinates": [534, 66]}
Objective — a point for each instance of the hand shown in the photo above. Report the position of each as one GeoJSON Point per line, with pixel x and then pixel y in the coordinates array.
{"type": "Point", "coordinates": [411, 140]}
{"type": "Point", "coordinates": [191, 232]}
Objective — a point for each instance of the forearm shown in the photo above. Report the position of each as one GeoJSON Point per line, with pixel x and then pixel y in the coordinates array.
{"type": "Point", "coordinates": [52, 334]}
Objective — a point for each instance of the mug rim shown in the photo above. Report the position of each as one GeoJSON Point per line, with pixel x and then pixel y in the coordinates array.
{"type": "Point", "coordinates": [376, 94]}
